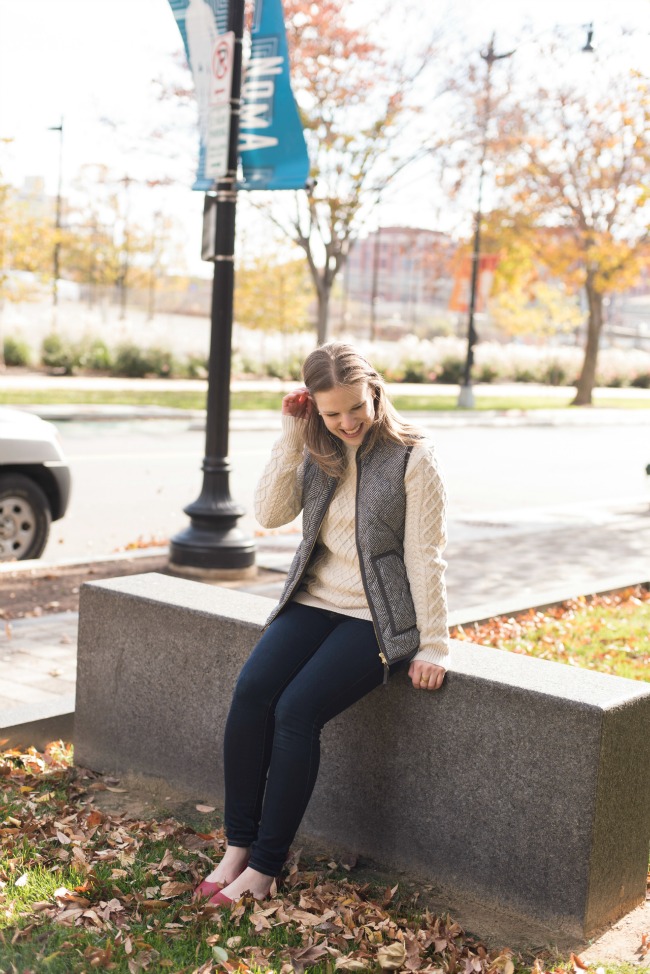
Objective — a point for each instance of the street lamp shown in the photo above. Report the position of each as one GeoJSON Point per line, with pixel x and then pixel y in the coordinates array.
{"type": "Point", "coordinates": [212, 546]}
{"type": "Point", "coordinates": [466, 393]}
{"type": "Point", "coordinates": [57, 223]}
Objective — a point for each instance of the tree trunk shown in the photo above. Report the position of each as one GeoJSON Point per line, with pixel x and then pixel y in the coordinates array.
{"type": "Point", "coordinates": [587, 379]}
{"type": "Point", "coordinates": [324, 293]}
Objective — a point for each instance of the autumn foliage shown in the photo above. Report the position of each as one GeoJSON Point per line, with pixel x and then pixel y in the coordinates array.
{"type": "Point", "coordinates": [83, 888]}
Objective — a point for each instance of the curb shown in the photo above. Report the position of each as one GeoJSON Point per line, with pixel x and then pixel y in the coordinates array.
{"type": "Point", "coordinates": [267, 550]}
{"type": "Point", "coordinates": [543, 600]}
{"type": "Point", "coordinates": [262, 420]}
{"type": "Point", "coordinates": [38, 564]}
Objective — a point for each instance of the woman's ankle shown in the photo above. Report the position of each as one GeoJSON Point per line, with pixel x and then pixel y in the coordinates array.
{"type": "Point", "coordinates": [236, 854]}
{"type": "Point", "coordinates": [232, 863]}
{"type": "Point", "coordinates": [250, 880]}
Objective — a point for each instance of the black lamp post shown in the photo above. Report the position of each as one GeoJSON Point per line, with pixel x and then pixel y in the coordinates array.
{"type": "Point", "coordinates": [212, 545]}
{"type": "Point", "coordinates": [466, 394]}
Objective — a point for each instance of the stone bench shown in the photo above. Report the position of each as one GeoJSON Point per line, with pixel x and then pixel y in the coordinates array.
{"type": "Point", "coordinates": [522, 783]}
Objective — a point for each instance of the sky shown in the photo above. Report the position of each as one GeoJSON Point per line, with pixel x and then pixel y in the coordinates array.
{"type": "Point", "coordinates": [91, 62]}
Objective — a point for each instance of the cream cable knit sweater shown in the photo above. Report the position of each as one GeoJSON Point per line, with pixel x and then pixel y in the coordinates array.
{"type": "Point", "coordinates": [333, 579]}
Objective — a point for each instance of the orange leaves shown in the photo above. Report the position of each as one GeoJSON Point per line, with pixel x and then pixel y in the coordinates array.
{"type": "Point", "coordinates": [644, 949]}
{"type": "Point", "coordinates": [608, 633]}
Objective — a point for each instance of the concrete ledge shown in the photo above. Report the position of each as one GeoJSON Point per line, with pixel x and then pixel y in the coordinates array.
{"type": "Point", "coordinates": [38, 724]}
{"type": "Point", "coordinates": [523, 783]}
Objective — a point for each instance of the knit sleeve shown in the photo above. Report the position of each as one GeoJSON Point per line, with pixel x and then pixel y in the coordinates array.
{"type": "Point", "coordinates": [278, 495]}
{"type": "Point", "coordinates": [425, 537]}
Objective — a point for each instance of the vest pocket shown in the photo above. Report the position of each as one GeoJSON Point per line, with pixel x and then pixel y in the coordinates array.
{"type": "Point", "coordinates": [393, 582]}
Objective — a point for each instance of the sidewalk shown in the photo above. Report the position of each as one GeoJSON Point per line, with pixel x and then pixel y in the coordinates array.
{"type": "Point", "coordinates": [495, 567]}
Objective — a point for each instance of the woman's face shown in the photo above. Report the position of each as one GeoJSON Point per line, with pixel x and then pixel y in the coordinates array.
{"type": "Point", "coordinates": [347, 411]}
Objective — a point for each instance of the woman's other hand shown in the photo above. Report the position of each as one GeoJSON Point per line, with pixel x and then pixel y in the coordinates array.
{"type": "Point", "coordinates": [298, 404]}
{"type": "Point", "coordinates": [426, 676]}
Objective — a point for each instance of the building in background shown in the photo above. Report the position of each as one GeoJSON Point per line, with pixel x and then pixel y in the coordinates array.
{"type": "Point", "coordinates": [400, 277]}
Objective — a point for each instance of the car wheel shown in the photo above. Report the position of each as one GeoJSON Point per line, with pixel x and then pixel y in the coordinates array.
{"type": "Point", "coordinates": [25, 518]}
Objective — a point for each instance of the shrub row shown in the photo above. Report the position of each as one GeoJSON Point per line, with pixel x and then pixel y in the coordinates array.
{"type": "Point", "coordinates": [408, 360]}
{"type": "Point", "coordinates": [61, 356]}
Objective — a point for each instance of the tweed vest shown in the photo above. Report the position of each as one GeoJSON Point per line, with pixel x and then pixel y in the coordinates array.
{"type": "Point", "coordinates": [380, 511]}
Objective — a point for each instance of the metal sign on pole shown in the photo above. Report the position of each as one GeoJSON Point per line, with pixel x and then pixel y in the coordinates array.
{"type": "Point", "coordinates": [218, 108]}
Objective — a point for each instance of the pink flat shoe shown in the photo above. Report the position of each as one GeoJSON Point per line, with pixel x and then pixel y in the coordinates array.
{"type": "Point", "coordinates": [219, 899]}
{"type": "Point", "coordinates": [206, 889]}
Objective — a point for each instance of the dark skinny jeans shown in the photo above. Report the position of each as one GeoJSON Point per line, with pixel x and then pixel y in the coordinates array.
{"type": "Point", "coordinates": [308, 666]}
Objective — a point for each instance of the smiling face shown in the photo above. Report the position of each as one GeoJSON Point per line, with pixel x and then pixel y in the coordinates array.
{"type": "Point", "coordinates": [347, 411]}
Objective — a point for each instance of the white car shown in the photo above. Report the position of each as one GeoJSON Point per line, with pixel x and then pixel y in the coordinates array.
{"type": "Point", "coordinates": [34, 483]}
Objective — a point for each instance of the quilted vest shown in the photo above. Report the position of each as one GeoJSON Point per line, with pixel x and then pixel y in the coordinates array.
{"type": "Point", "coordinates": [380, 510]}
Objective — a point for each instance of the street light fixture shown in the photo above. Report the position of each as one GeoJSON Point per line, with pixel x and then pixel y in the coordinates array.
{"type": "Point", "coordinates": [57, 223]}
{"type": "Point", "coordinates": [212, 546]}
{"type": "Point", "coordinates": [466, 393]}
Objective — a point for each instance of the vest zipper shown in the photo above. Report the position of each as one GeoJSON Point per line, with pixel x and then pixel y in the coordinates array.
{"type": "Point", "coordinates": [380, 641]}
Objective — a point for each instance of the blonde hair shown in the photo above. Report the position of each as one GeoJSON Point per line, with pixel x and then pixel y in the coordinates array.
{"type": "Point", "coordinates": [339, 364]}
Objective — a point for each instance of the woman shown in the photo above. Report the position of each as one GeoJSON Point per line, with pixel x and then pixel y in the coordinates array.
{"type": "Point", "coordinates": [364, 597]}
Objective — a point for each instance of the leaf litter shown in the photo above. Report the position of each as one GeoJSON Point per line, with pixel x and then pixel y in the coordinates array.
{"type": "Point", "coordinates": [123, 900]}
{"type": "Point", "coordinates": [608, 633]}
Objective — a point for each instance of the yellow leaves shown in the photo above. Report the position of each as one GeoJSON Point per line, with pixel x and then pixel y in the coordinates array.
{"type": "Point", "coordinates": [504, 964]}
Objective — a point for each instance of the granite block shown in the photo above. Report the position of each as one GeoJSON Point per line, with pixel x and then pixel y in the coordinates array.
{"type": "Point", "coordinates": [523, 783]}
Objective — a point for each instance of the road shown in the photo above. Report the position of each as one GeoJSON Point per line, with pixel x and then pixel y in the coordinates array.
{"type": "Point", "coordinates": [131, 480]}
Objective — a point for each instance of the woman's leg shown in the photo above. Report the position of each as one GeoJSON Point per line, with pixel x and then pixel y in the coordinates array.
{"type": "Point", "coordinates": [344, 669]}
{"type": "Point", "coordinates": [283, 649]}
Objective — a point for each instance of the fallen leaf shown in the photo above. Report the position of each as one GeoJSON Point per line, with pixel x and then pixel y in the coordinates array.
{"type": "Point", "coordinates": [204, 809]}
{"type": "Point", "coordinates": [302, 916]}
{"type": "Point", "coordinates": [578, 964]}
{"type": "Point", "coordinates": [171, 889]}
{"type": "Point", "coordinates": [392, 956]}
{"type": "Point", "coordinates": [351, 964]}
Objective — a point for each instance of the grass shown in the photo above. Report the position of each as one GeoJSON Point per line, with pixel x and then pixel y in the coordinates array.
{"type": "Point", "coordinates": [608, 633]}
{"type": "Point", "coordinates": [82, 889]}
{"type": "Point", "coordinates": [255, 400]}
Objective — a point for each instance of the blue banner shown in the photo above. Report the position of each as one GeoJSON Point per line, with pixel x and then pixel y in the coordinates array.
{"type": "Point", "coordinates": [271, 142]}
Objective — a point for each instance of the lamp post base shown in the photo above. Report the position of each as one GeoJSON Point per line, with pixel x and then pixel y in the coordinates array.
{"type": "Point", "coordinates": [204, 550]}
{"type": "Point", "coordinates": [466, 397]}
{"type": "Point", "coordinates": [213, 576]}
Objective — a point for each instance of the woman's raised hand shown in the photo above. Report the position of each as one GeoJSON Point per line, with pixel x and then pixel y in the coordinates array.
{"type": "Point", "coordinates": [298, 404]}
